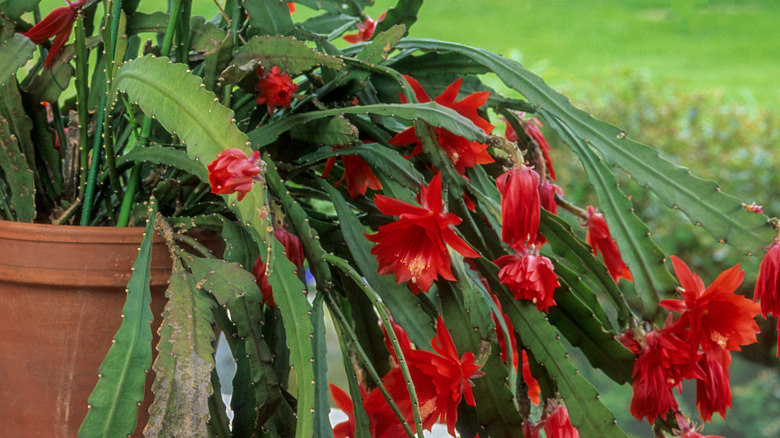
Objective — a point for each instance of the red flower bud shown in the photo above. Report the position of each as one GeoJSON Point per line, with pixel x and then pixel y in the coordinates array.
{"type": "Point", "coordinates": [233, 172]}
{"type": "Point", "coordinates": [520, 204]}
{"type": "Point", "coordinates": [599, 239]}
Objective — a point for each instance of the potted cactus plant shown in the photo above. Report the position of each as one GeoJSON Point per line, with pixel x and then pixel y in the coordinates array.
{"type": "Point", "coordinates": [447, 255]}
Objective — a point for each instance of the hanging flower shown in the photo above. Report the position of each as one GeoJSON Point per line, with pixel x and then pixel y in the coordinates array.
{"type": "Point", "coordinates": [59, 22]}
{"type": "Point", "coordinates": [414, 247]}
{"type": "Point", "coordinates": [533, 385]}
{"type": "Point", "coordinates": [715, 317]}
{"type": "Point", "coordinates": [529, 277]}
{"type": "Point", "coordinates": [233, 172]}
{"type": "Point", "coordinates": [357, 173]}
{"type": "Point", "coordinates": [520, 206]}
{"type": "Point", "coordinates": [531, 127]}
{"type": "Point", "coordinates": [768, 285]}
{"type": "Point", "coordinates": [342, 400]}
{"type": "Point", "coordinates": [274, 88]}
{"type": "Point", "coordinates": [293, 249]}
{"type": "Point", "coordinates": [557, 423]}
{"type": "Point", "coordinates": [600, 240]}
{"type": "Point", "coordinates": [365, 30]}
{"type": "Point", "coordinates": [441, 379]}
{"type": "Point", "coordinates": [713, 392]}
{"type": "Point", "coordinates": [461, 152]}
{"type": "Point", "coordinates": [664, 362]}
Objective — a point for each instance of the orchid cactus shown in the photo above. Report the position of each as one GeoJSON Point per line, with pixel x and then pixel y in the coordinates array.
{"type": "Point", "coordinates": [451, 262]}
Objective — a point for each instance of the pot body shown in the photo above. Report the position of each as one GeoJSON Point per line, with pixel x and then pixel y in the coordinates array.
{"type": "Point", "coordinates": [62, 289]}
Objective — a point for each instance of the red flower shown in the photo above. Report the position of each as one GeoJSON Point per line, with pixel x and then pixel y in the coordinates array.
{"type": "Point", "coordinates": [715, 317]}
{"type": "Point", "coordinates": [768, 285]}
{"type": "Point", "coordinates": [713, 392]}
{"type": "Point", "coordinates": [533, 385]}
{"type": "Point", "coordinates": [275, 88]}
{"type": "Point", "coordinates": [520, 206]}
{"type": "Point", "coordinates": [547, 192]}
{"type": "Point", "coordinates": [357, 173]}
{"type": "Point", "coordinates": [665, 360]}
{"type": "Point", "coordinates": [233, 172]}
{"type": "Point", "coordinates": [531, 127]}
{"type": "Point", "coordinates": [441, 379]}
{"type": "Point", "coordinates": [344, 429]}
{"type": "Point", "coordinates": [414, 247]}
{"type": "Point", "coordinates": [291, 7]}
{"type": "Point", "coordinates": [558, 425]}
{"type": "Point", "coordinates": [294, 252]}
{"type": "Point", "coordinates": [59, 22]}
{"type": "Point", "coordinates": [461, 152]}
{"type": "Point", "coordinates": [599, 239]}
{"type": "Point", "coordinates": [365, 30]}
{"type": "Point", "coordinates": [529, 277]}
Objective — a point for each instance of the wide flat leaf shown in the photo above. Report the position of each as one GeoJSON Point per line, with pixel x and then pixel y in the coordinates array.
{"type": "Point", "coordinates": [268, 17]}
{"type": "Point", "coordinates": [168, 156]}
{"type": "Point", "coordinates": [404, 12]}
{"type": "Point", "coordinates": [18, 176]}
{"type": "Point", "coordinates": [702, 201]}
{"type": "Point", "coordinates": [235, 288]}
{"type": "Point", "coordinates": [430, 112]}
{"type": "Point", "coordinates": [587, 413]}
{"type": "Point", "coordinates": [290, 55]}
{"type": "Point", "coordinates": [174, 97]}
{"type": "Point", "coordinates": [113, 404]}
{"type": "Point", "coordinates": [652, 280]}
{"type": "Point", "coordinates": [331, 131]}
{"type": "Point", "coordinates": [185, 361]}
{"type": "Point", "coordinates": [14, 9]}
{"type": "Point", "coordinates": [14, 53]}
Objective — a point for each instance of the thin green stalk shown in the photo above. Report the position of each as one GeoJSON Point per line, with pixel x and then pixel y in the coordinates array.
{"type": "Point", "coordinates": [379, 305]}
{"type": "Point", "coordinates": [353, 340]}
{"type": "Point", "coordinates": [127, 202]}
{"type": "Point", "coordinates": [89, 193]}
{"type": "Point", "coordinates": [82, 104]}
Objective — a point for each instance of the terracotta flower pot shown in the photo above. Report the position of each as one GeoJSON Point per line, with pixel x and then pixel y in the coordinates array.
{"type": "Point", "coordinates": [62, 289]}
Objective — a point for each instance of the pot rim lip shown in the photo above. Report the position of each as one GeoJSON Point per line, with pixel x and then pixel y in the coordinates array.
{"type": "Point", "coordinates": [41, 232]}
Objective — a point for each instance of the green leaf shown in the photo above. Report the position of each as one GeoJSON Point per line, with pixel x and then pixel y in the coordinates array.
{"type": "Point", "coordinates": [268, 17]}
{"type": "Point", "coordinates": [430, 112]}
{"type": "Point", "coordinates": [701, 200]}
{"type": "Point", "coordinates": [216, 60]}
{"type": "Point", "coordinates": [576, 320]}
{"type": "Point", "coordinates": [438, 64]}
{"type": "Point", "coordinates": [322, 427]}
{"type": "Point", "coordinates": [51, 82]}
{"type": "Point", "coordinates": [290, 55]}
{"type": "Point", "coordinates": [165, 155]}
{"type": "Point", "coordinates": [567, 245]}
{"type": "Point", "coordinates": [176, 99]}
{"type": "Point", "coordinates": [140, 22]}
{"type": "Point", "coordinates": [587, 413]}
{"type": "Point", "coordinates": [651, 278]}
{"type": "Point", "coordinates": [235, 288]}
{"type": "Point", "coordinates": [403, 305]}
{"type": "Point", "coordinates": [14, 53]}
{"type": "Point", "coordinates": [381, 45]}
{"type": "Point", "coordinates": [290, 297]}
{"type": "Point", "coordinates": [404, 12]}
{"type": "Point", "coordinates": [185, 361]}
{"type": "Point", "coordinates": [331, 131]}
{"type": "Point", "coordinates": [113, 404]}
{"type": "Point", "coordinates": [17, 174]}
{"type": "Point", "coordinates": [14, 9]}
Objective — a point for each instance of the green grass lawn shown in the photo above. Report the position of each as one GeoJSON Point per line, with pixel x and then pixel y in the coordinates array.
{"type": "Point", "coordinates": [700, 45]}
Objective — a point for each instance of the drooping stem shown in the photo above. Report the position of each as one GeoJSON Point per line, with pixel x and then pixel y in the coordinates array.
{"type": "Point", "coordinates": [379, 305]}
{"type": "Point", "coordinates": [82, 104]}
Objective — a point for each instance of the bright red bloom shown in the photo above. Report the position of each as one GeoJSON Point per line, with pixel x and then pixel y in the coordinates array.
{"type": "Point", "coordinates": [365, 30]}
{"type": "Point", "coordinates": [233, 172]}
{"type": "Point", "coordinates": [461, 152]}
{"type": "Point", "coordinates": [715, 317]}
{"type": "Point", "coordinates": [529, 277]}
{"type": "Point", "coordinates": [664, 362]}
{"type": "Point", "coordinates": [343, 401]}
{"type": "Point", "coordinates": [599, 239]}
{"type": "Point", "coordinates": [357, 173]}
{"type": "Point", "coordinates": [414, 247]}
{"type": "Point", "coordinates": [558, 425]}
{"type": "Point", "coordinates": [59, 22]}
{"type": "Point", "coordinates": [293, 249]}
{"type": "Point", "coordinates": [275, 88]}
{"type": "Point", "coordinates": [520, 206]}
{"type": "Point", "coordinates": [440, 379]}
{"type": "Point", "coordinates": [768, 285]}
{"type": "Point", "coordinates": [713, 392]}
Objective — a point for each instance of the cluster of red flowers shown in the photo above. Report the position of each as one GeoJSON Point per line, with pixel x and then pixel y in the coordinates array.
{"type": "Point", "coordinates": [440, 378]}
{"type": "Point", "coordinates": [713, 322]}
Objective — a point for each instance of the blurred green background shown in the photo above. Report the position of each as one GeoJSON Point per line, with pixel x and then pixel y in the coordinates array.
{"type": "Point", "coordinates": [697, 79]}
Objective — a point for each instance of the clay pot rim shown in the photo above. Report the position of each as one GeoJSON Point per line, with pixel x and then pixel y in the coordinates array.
{"type": "Point", "coordinates": [36, 232]}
